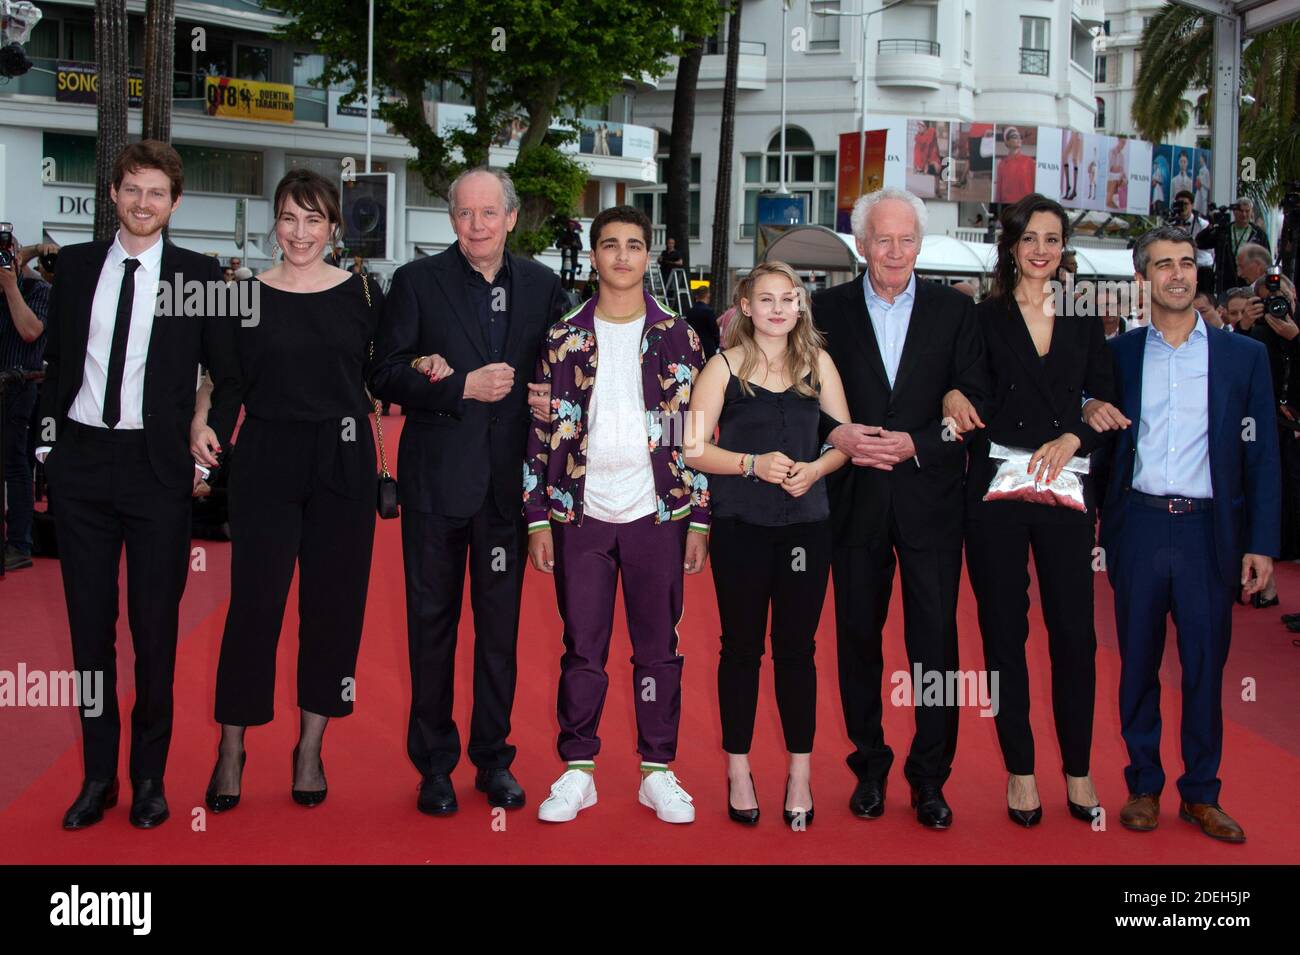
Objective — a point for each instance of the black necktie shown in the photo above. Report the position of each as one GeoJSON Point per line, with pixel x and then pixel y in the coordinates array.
{"type": "Point", "coordinates": [117, 355]}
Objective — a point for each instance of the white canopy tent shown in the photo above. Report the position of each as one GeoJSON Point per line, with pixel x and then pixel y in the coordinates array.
{"type": "Point", "coordinates": [819, 249]}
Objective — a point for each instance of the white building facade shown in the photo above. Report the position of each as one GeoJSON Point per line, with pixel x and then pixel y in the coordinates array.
{"type": "Point", "coordinates": [994, 61]}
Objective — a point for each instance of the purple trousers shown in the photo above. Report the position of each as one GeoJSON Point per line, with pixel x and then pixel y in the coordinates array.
{"type": "Point", "coordinates": [588, 562]}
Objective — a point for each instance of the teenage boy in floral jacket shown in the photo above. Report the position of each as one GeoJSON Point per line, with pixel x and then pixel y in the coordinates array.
{"type": "Point", "coordinates": [607, 492]}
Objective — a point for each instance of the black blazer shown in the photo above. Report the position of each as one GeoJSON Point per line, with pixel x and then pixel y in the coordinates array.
{"type": "Point", "coordinates": [453, 450]}
{"type": "Point", "coordinates": [943, 350]}
{"type": "Point", "coordinates": [1033, 401]}
{"type": "Point", "coordinates": [177, 346]}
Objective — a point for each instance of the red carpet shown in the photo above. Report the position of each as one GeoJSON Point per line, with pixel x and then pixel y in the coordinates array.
{"type": "Point", "coordinates": [370, 816]}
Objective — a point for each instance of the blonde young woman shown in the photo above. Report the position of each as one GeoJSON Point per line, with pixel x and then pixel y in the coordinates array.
{"type": "Point", "coordinates": [771, 538]}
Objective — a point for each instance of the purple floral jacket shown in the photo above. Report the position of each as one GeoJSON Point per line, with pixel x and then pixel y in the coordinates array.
{"type": "Point", "coordinates": [556, 465]}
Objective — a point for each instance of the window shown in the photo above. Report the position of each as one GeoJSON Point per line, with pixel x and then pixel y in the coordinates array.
{"type": "Point", "coordinates": [809, 174]}
{"type": "Point", "coordinates": [79, 40]}
{"type": "Point", "coordinates": [1202, 111]}
{"type": "Point", "coordinates": [650, 199]}
{"type": "Point", "coordinates": [1099, 69]}
{"type": "Point", "coordinates": [967, 29]}
{"type": "Point", "coordinates": [1100, 122]}
{"type": "Point", "coordinates": [823, 32]}
{"type": "Point", "coordinates": [74, 157]}
{"type": "Point", "coordinates": [253, 63]}
{"type": "Point", "coordinates": [231, 171]}
{"type": "Point", "coordinates": [418, 195]}
{"type": "Point", "coordinates": [43, 44]}
{"type": "Point", "coordinates": [1035, 32]}
{"type": "Point", "coordinates": [307, 68]}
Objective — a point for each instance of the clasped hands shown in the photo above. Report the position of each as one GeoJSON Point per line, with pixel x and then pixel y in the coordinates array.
{"type": "Point", "coordinates": [870, 445]}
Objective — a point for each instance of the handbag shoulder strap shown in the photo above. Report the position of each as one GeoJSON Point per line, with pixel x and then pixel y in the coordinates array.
{"type": "Point", "coordinates": [379, 423]}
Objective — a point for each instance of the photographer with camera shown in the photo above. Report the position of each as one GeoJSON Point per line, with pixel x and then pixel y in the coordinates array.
{"type": "Point", "coordinates": [1271, 317]}
{"type": "Point", "coordinates": [23, 305]}
{"type": "Point", "coordinates": [1231, 230]}
{"type": "Point", "coordinates": [1183, 215]}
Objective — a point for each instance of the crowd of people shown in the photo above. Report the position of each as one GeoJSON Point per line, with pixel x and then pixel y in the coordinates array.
{"type": "Point", "coordinates": [886, 423]}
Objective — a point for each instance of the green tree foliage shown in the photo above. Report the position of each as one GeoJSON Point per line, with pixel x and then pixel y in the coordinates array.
{"type": "Point", "coordinates": [1177, 50]}
{"type": "Point", "coordinates": [540, 61]}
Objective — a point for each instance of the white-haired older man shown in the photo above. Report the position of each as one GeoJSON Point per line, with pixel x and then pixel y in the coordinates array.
{"type": "Point", "coordinates": [483, 311]}
{"type": "Point", "coordinates": [900, 343]}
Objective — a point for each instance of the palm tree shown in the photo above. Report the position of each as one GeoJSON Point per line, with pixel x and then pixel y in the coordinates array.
{"type": "Point", "coordinates": [677, 203]}
{"type": "Point", "coordinates": [719, 264]}
{"type": "Point", "coordinates": [1177, 50]}
{"type": "Point", "coordinates": [111, 66]}
{"type": "Point", "coordinates": [159, 54]}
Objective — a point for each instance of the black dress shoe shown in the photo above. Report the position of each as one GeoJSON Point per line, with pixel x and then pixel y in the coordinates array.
{"type": "Point", "coordinates": [148, 804]}
{"type": "Point", "coordinates": [1260, 602]}
{"type": "Point", "coordinates": [96, 795]}
{"type": "Point", "coordinates": [746, 817]}
{"type": "Point", "coordinates": [868, 799]}
{"type": "Point", "coordinates": [437, 797]}
{"type": "Point", "coordinates": [309, 797]}
{"type": "Point", "coordinates": [792, 819]}
{"type": "Point", "coordinates": [502, 789]}
{"type": "Point", "coordinates": [1290, 618]}
{"type": "Point", "coordinates": [931, 808]}
{"type": "Point", "coordinates": [218, 801]}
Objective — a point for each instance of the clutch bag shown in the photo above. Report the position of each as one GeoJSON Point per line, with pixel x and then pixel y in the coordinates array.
{"type": "Point", "coordinates": [1012, 481]}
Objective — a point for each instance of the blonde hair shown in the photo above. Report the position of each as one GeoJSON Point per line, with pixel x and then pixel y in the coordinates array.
{"type": "Point", "coordinates": [803, 346]}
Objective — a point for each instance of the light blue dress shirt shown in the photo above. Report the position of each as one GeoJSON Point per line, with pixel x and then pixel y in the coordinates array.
{"type": "Point", "coordinates": [1173, 440]}
{"type": "Point", "coordinates": [890, 321]}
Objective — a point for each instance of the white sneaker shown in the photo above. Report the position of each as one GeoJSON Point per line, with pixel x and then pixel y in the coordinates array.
{"type": "Point", "coordinates": [662, 793]}
{"type": "Point", "coordinates": [570, 794]}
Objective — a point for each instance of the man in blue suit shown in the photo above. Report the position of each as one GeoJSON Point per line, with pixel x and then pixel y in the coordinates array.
{"type": "Point", "coordinates": [1191, 514]}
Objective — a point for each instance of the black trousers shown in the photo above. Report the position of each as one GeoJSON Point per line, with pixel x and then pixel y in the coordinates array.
{"type": "Point", "coordinates": [998, 539]}
{"type": "Point", "coordinates": [109, 496]}
{"type": "Point", "coordinates": [786, 568]}
{"type": "Point", "coordinates": [284, 511]}
{"type": "Point", "coordinates": [1289, 446]}
{"type": "Point", "coordinates": [864, 583]}
{"type": "Point", "coordinates": [434, 550]}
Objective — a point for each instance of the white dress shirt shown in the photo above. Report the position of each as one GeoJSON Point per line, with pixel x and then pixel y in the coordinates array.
{"type": "Point", "coordinates": [88, 406]}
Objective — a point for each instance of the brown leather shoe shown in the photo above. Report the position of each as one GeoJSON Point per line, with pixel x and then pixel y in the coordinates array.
{"type": "Point", "coordinates": [1214, 822]}
{"type": "Point", "coordinates": [1141, 813]}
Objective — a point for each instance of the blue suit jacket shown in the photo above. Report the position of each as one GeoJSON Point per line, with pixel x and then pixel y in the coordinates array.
{"type": "Point", "coordinates": [1245, 468]}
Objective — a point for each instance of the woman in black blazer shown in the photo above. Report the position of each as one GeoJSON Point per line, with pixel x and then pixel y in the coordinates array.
{"type": "Point", "coordinates": [1042, 357]}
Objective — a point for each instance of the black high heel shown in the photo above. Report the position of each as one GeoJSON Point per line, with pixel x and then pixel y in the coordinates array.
{"type": "Point", "coordinates": [791, 818]}
{"type": "Point", "coordinates": [218, 801]}
{"type": "Point", "coordinates": [1026, 817]}
{"type": "Point", "coordinates": [746, 817]}
{"type": "Point", "coordinates": [308, 797]}
{"type": "Point", "coordinates": [1082, 813]}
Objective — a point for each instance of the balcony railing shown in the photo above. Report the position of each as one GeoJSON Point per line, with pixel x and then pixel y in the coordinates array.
{"type": "Point", "coordinates": [1035, 61]}
{"type": "Point", "coordinates": [923, 47]}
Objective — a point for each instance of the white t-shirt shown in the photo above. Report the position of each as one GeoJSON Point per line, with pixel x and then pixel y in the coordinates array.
{"type": "Point", "coordinates": [620, 486]}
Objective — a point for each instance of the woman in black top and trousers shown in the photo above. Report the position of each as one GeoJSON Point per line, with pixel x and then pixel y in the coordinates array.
{"type": "Point", "coordinates": [302, 489]}
{"type": "Point", "coordinates": [770, 518]}
{"type": "Point", "coordinates": [1043, 357]}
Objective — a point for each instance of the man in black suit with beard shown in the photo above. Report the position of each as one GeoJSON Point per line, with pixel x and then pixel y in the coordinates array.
{"type": "Point", "coordinates": [114, 435]}
{"type": "Point", "coordinates": [456, 327]}
{"type": "Point", "coordinates": [899, 343]}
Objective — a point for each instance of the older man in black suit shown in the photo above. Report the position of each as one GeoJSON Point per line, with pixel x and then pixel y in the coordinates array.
{"type": "Point", "coordinates": [483, 312]}
{"type": "Point", "coordinates": [900, 343]}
